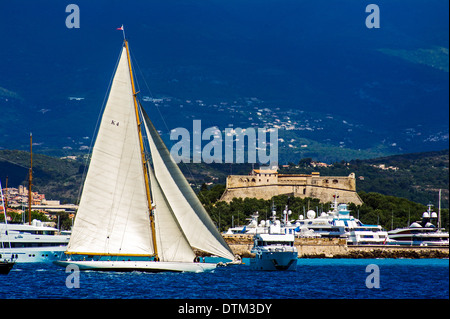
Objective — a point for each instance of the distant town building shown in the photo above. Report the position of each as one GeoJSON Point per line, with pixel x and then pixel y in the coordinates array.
{"type": "Point", "coordinates": [17, 200]}
{"type": "Point", "coordinates": [384, 167]}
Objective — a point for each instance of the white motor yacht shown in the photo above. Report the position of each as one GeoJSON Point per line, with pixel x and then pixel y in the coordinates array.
{"type": "Point", "coordinates": [421, 233]}
{"type": "Point", "coordinates": [32, 243]}
{"type": "Point", "coordinates": [274, 250]}
{"type": "Point", "coordinates": [338, 223]}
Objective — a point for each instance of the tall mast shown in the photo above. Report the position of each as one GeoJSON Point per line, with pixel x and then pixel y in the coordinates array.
{"type": "Point", "coordinates": [6, 194]}
{"type": "Point", "coordinates": [144, 161]}
{"type": "Point", "coordinates": [439, 211]}
{"type": "Point", "coordinates": [30, 179]}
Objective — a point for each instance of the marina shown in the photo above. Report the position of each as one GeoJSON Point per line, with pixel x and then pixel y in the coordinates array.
{"type": "Point", "coordinates": [6, 264]}
{"type": "Point", "coordinates": [225, 159]}
{"type": "Point", "coordinates": [34, 241]}
{"type": "Point", "coordinates": [338, 223]}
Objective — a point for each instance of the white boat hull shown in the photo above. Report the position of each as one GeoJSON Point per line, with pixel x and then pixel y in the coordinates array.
{"type": "Point", "coordinates": [34, 254]}
{"type": "Point", "coordinates": [144, 266]}
{"type": "Point", "coordinates": [284, 260]}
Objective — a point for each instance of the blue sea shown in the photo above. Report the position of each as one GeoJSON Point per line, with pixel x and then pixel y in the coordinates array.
{"type": "Point", "coordinates": [314, 279]}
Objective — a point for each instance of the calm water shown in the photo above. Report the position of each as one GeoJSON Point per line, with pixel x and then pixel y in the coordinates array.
{"type": "Point", "coordinates": [314, 278]}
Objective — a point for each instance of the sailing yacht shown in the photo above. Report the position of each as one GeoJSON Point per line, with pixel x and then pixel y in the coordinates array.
{"type": "Point", "coordinates": [137, 211]}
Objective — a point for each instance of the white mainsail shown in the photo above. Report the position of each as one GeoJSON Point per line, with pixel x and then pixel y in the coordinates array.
{"type": "Point", "coordinates": [113, 214]}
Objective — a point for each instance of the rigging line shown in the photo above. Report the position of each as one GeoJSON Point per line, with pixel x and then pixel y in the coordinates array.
{"type": "Point", "coordinates": [6, 219]}
{"type": "Point", "coordinates": [9, 161]}
{"type": "Point", "coordinates": [27, 174]}
{"type": "Point", "coordinates": [97, 126]}
{"type": "Point", "coordinates": [160, 114]}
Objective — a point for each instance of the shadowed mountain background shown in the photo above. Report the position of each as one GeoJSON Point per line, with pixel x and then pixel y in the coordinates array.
{"type": "Point", "coordinates": [337, 89]}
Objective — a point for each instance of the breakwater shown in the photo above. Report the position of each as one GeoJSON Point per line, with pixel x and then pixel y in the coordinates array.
{"type": "Point", "coordinates": [241, 244]}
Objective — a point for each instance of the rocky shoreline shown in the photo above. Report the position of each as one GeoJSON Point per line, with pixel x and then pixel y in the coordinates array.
{"type": "Point", "coordinates": [403, 252]}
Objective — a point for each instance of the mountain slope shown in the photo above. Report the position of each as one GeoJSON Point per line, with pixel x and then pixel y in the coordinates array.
{"type": "Point", "coordinates": [389, 85]}
{"type": "Point", "coordinates": [416, 177]}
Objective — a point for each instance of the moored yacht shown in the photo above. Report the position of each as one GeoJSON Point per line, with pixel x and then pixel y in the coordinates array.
{"type": "Point", "coordinates": [251, 228]}
{"type": "Point", "coordinates": [32, 243]}
{"type": "Point", "coordinates": [337, 223]}
{"type": "Point", "coordinates": [421, 233]}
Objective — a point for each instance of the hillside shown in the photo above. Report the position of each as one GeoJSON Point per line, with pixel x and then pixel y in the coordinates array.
{"type": "Point", "coordinates": [334, 88]}
{"type": "Point", "coordinates": [56, 178]}
{"type": "Point", "coordinates": [416, 177]}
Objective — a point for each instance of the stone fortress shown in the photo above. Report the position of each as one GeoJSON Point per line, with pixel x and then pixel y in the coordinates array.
{"type": "Point", "coordinates": [264, 183]}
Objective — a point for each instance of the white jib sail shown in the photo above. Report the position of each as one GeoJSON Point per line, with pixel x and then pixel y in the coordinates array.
{"type": "Point", "coordinates": [190, 214]}
{"type": "Point", "coordinates": [170, 240]}
{"type": "Point", "coordinates": [113, 215]}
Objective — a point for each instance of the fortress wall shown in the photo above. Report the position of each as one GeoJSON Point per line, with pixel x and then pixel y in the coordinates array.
{"type": "Point", "coordinates": [236, 181]}
{"type": "Point", "coordinates": [261, 192]}
{"type": "Point", "coordinates": [265, 186]}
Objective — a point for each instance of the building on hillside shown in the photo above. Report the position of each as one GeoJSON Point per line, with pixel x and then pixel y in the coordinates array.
{"type": "Point", "coordinates": [266, 183]}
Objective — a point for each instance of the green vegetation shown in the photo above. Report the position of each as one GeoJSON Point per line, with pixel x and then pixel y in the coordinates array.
{"type": "Point", "coordinates": [56, 178]}
{"type": "Point", "coordinates": [392, 212]}
{"type": "Point", "coordinates": [436, 57]}
{"type": "Point", "coordinates": [18, 218]}
{"type": "Point", "coordinates": [417, 177]}
{"type": "Point", "coordinates": [388, 211]}
{"type": "Point", "coordinates": [402, 192]}
{"type": "Point", "coordinates": [64, 221]}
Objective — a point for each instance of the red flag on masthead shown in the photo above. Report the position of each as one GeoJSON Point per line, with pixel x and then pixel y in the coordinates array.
{"type": "Point", "coordinates": [123, 30]}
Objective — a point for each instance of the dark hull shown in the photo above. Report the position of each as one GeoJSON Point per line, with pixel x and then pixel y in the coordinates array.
{"type": "Point", "coordinates": [5, 267]}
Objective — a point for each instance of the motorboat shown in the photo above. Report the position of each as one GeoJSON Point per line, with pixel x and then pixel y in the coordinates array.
{"type": "Point", "coordinates": [274, 250]}
{"type": "Point", "coordinates": [37, 242]}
